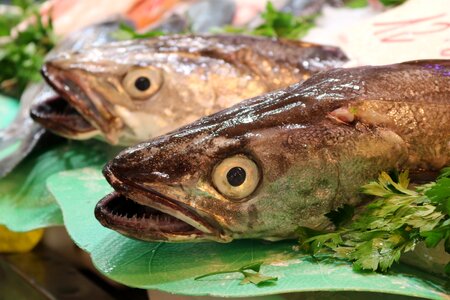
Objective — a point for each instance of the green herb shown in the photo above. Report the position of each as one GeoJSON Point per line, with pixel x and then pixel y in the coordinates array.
{"type": "Point", "coordinates": [277, 24]}
{"type": "Point", "coordinates": [364, 3]}
{"type": "Point", "coordinates": [250, 272]}
{"type": "Point", "coordinates": [392, 224]}
{"type": "Point", "coordinates": [392, 2]}
{"type": "Point", "coordinates": [22, 55]}
{"type": "Point", "coordinates": [127, 32]}
{"type": "Point", "coordinates": [9, 20]}
{"type": "Point", "coordinates": [356, 3]}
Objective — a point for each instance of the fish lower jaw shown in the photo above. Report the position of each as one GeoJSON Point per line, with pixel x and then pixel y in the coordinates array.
{"type": "Point", "coordinates": [58, 116]}
{"type": "Point", "coordinates": [138, 221]}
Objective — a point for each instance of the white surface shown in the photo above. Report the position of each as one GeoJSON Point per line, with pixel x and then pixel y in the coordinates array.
{"type": "Point", "coordinates": [418, 29]}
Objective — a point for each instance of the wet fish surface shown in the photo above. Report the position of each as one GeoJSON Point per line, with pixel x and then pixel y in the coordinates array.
{"type": "Point", "coordinates": [284, 159]}
{"type": "Point", "coordinates": [127, 92]}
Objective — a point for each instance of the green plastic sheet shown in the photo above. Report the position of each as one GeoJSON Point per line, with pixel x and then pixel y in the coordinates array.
{"type": "Point", "coordinates": [25, 203]}
{"type": "Point", "coordinates": [172, 267]}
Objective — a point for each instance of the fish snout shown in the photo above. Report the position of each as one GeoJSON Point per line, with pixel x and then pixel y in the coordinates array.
{"type": "Point", "coordinates": [81, 90]}
{"type": "Point", "coordinates": [135, 165]}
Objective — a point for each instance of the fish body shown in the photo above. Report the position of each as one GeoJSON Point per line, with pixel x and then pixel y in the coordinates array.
{"type": "Point", "coordinates": [268, 165]}
{"type": "Point", "coordinates": [130, 91]}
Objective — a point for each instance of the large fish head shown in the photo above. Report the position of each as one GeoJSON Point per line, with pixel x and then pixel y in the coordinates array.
{"type": "Point", "coordinates": [242, 173]}
{"type": "Point", "coordinates": [126, 92]}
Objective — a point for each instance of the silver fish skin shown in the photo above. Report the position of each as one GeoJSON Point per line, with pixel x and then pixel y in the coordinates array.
{"type": "Point", "coordinates": [281, 160]}
{"type": "Point", "coordinates": [184, 78]}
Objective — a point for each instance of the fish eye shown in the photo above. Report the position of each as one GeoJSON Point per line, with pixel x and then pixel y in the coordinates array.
{"type": "Point", "coordinates": [141, 83]}
{"type": "Point", "coordinates": [236, 177]}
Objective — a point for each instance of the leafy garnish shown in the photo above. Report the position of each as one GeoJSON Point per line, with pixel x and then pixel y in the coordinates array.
{"type": "Point", "coordinates": [392, 2]}
{"type": "Point", "coordinates": [364, 3]}
{"type": "Point", "coordinates": [277, 24]}
{"type": "Point", "coordinates": [22, 55]}
{"type": "Point", "coordinates": [127, 32]}
{"type": "Point", "coordinates": [392, 224]}
{"type": "Point", "coordinates": [250, 272]}
{"type": "Point", "coordinates": [356, 3]}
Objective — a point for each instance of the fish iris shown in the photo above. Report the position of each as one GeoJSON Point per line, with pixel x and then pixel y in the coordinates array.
{"type": "Point", "coordinates": [142, 83]}
{"type": "Point", "coordinates": [236, 176]}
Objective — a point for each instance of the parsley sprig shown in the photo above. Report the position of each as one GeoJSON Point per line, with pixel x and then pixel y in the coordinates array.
{"type": "Point", "coordinates": [398, 219]}
{"type": "Point", "coordinates": [251, 274]}
{"type": "Point", "coordinates": [276, 24]}
{"type": "Point", "coordinates": [22, 54]}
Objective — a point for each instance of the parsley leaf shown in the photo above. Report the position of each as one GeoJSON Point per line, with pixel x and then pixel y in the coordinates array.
{"type": "Point", "coordinates": [392, 224]}
{"type": "Point", "coordinates": [276, 24]}
{"type": "Point", "coordinates": [392, 2]}
{"type": "Point", "coordinates": [250, 272]}
{"type": "Point", "coordinates": [22, 54]}
{"type": "Point", "coordinates": [356, 3]}
{"type": "Point", "coordinates": [127, 32]}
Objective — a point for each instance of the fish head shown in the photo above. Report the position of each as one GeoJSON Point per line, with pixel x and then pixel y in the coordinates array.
{"type": "Point", "coordinates": [125, 92]}
{"type": "Point", "coordinates": [241, 173]}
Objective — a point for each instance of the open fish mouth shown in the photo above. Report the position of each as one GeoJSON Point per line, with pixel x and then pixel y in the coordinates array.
{"type": "Point", "coordinates": [88, 106]}
{"type": "Point", "coordinates": [142, 213]}
{"type": "Point", "coordinates": [56, 114]}
{"type": "Point", "coordinates": [145, 222]}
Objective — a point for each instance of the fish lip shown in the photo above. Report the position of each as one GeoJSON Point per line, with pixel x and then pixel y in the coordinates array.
{"type": "Point", "coordinates": [109, 126]}
{"type": "Point", "coordinates": [148, 197]}
{"type": "Point", "coordinates": [65, 123]}
{"type": "Point", "coordinates": [141, 228]}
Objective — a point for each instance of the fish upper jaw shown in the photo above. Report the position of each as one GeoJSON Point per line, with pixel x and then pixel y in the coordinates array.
{"type": "Point", "coordinates": [75, 88]}
{"type": "Point", "coordinates": [139, 211]}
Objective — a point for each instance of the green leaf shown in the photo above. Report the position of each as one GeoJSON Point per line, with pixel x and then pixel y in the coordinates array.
{"type": "Point", "coordinates": [249, 277]}
{"type": "Point", "coordinates": [257, 279]}
{"type": "Point", "coordinates": [164, 266]}
{"type": "Point", "coordinates": [25, 202]}
{"type": "Point", "coordinates": [23, 54]}
{"type": "Point", "coordinates": [440, 194]}
{"type": "Point", "coordinates": [276, 24]}
{"type": "Point", "coordinates": [356, 3]}
{"type": "Point", "coordinates": [389, 226]}
{"type": "Point", "coordinates": [253, 266]}
{"type": "Point", "coordinates": [432, 238]}
{"type": "Point", "coordinates": [127, 32]}
{"type": "Point", "coordinates": [392, 2]}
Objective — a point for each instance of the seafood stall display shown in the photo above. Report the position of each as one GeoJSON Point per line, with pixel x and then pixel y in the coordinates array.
{"type": "Point", "coordinates": [174, 149]}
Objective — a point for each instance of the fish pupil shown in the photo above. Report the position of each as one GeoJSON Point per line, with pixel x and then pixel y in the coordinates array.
{"type": "Point", "coordinates": [142, 83]}
{"type": "Point", "coordinates": [236, 176]}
